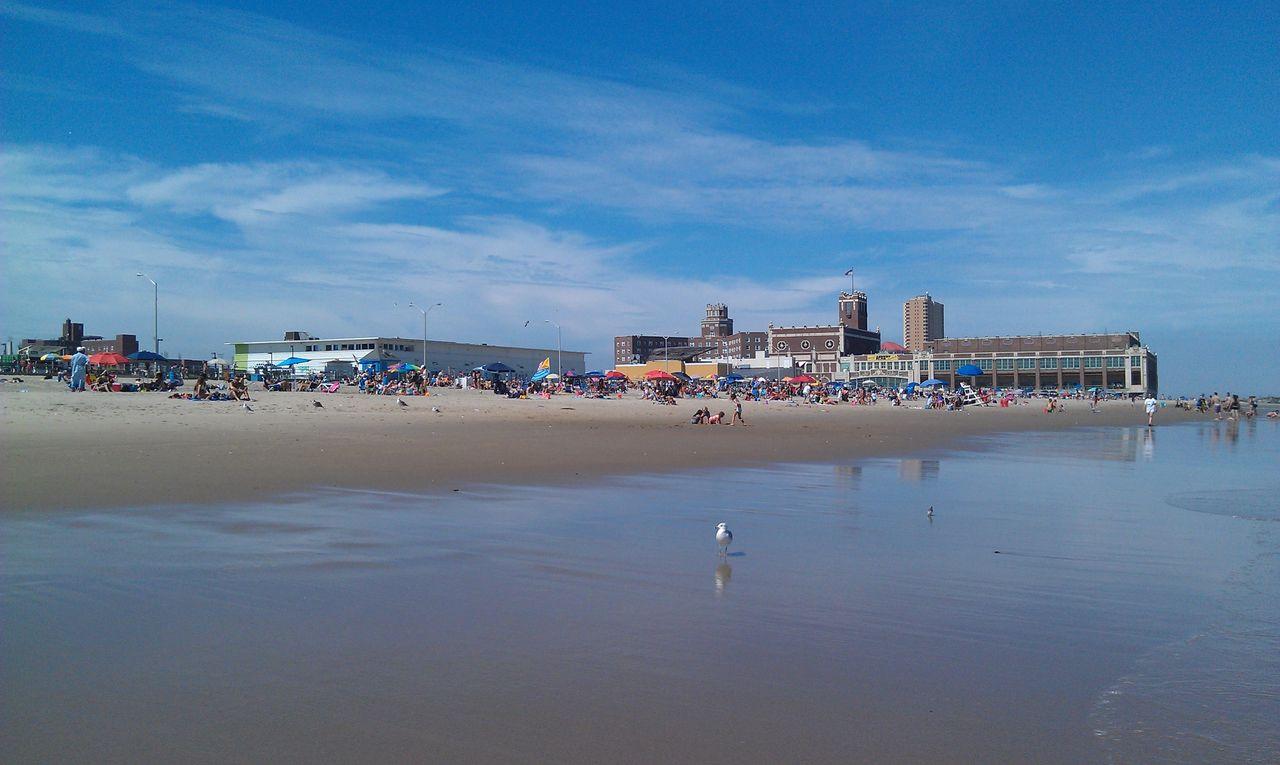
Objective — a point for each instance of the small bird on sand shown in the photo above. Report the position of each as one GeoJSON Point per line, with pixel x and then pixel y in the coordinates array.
{"type": "Point", "coordinates": [247, 408]}
{"type": "Point", "coordinates": [402, 402]}
{"type": "Point", "coordinates": [317, 405]}
{"type": "Point", "coordinates": [435, 409]}
{"type": "Point", "coordinates": [724, 537]}
{"type": "Point", "coordinates": [929, 512]}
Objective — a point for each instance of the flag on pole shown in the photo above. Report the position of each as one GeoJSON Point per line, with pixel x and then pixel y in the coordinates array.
{"type": "Point", "coordinates": [546, 364]}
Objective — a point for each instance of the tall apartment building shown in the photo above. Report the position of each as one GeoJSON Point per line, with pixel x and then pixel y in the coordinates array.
{"type": "Point", "coordinates": [921, 322]}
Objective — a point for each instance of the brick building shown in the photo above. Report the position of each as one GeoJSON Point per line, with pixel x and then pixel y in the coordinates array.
{"type": "Point", "coordinates": [717, 339]}
{"type": "Point", "coordinates": [121, 344]}
{"type": "Point", "coordinates": [817, 350]}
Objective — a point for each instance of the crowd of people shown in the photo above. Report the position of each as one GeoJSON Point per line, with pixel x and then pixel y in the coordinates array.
{"type": "Point", "coordinates": [80, 375]}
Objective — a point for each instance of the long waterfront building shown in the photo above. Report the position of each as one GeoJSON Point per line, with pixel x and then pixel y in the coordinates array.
{"type": "Point", "coordinates": [1116, 362]}
{"type": "Point", "coordinates": [341, 355]}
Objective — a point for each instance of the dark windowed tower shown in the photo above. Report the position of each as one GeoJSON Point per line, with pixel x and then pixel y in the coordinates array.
{"type": "Point", "coordinates": [853, 309]}
{"type": "Point", "coordinates": [717, 323]}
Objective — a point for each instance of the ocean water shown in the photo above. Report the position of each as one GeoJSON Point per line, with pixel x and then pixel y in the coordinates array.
{"type": "Point", "coordinates": [1104, 595]}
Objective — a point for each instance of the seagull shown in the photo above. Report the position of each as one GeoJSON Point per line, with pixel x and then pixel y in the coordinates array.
{"type": "Point", "coordinates": [724, 537]}
{"type": "Point", "coordinates": [929, 512]}
{"type": "Point", "coordinates": [435, 409]}
{"type": "Point", "coordinates": [247, 408]}
{"type": "Point", "coordinates": [401, 402]}
{"type": "Point", "coordinates": [317, 405]}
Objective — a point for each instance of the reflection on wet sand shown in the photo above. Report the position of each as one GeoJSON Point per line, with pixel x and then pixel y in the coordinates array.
{"type": "Point", "coordinates": [724, 572]}
{"type": "Point", "coordinates": [499, 624]}
{"type": "Point", "coordinates": [918, 469]}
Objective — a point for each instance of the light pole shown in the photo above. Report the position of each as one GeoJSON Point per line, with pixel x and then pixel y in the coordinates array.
{"type": "Point", "coordinates": [425, 311]}
{"type": "Point", "coordinates": [559, 370]}
{"type": "Point", "coordinates": [666, 357]}
{"type": "Point", "coordinates": [155, 325]}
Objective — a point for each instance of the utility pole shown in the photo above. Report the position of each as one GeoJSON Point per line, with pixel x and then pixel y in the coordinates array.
{"type": "Point", "coordinates": [559, 370]}
{"type": "Point", "coordinates": [155, 306]}
{"type": "Point", "coordinates": [425, 311]}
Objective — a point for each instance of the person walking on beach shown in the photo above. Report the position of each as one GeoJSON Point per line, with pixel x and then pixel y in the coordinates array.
{"type": "Point", "coordinates": [1216, 404]}
{"type": "Point", "coordinates": [79, 366]}
{"type": "Point", "coordinates": [737, 410]}
{"type": "Point", "coordinates": [1151, 405]}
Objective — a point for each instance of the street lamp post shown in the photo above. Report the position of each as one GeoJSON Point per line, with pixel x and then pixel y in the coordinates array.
{"type": "Point", "coordinates": [666, 355]}
{"type": "Point", "coordinates": [559, 370]}
{"type": "Point", "coordinates": [425, 311]}
{"type": "Point", "coordinates": [155, 317]}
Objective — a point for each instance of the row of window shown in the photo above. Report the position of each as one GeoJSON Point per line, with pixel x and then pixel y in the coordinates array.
{"type": "Point", "coordinates": [358, 347]}
{"type": "Point", "coordinates": [1003, 364]}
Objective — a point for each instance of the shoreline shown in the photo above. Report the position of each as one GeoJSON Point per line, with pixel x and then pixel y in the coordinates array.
{"type": "Point", "coordinates": [97, 450]}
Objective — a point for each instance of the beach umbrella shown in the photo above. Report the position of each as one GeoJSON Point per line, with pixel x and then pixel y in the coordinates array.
{"type": "Point", "coordinates": [213, 362]}
{"type": "Point", "coordinates": [496, 368]}
{"type": "Point", "coordinates": [932, 382]}
{"type": "Point", "coordinates": [152, 356]}
{"type": "Point", "coordinates": [681, 376]}
{"type": "Point", "coordinates": [51, 357]}
{"type": "Point", "coordinates": [801, 380]}
{"type": "Point", "coordinates": [658, 374]}
{"type": "Point", "coordinates": [540, 375]}
{"type": "Point", "coordinates": [553, 376]}
{"type": "Point", "coordinates": [614, 374]}
{"type": "Point", "coordinates": [594, 373]}
{"type": "Point", "coordinates": [969, 370]}
{"type": "Point", "coordinates": [291, 361]}
{"type": "Point", "coordinates": [733, 378]}
{"type": "Point", "coordinates": [108, 359]}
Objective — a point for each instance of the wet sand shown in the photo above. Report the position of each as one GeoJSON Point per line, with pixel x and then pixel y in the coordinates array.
{"type": "Point", "coordinates": [64, 450]}
{"type": "Point", "coordinates": [1128, 615]}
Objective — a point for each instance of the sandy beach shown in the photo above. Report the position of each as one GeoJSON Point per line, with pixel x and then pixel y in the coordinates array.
{"type": "Point", "coordinates": [64, 450]}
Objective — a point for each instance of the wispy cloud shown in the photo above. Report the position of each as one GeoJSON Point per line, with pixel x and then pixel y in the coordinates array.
{"type": "Point", "coordinates": [510, 189]}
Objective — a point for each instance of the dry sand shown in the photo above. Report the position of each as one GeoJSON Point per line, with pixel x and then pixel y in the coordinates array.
{"type": "Point", "coordinates": [69, 450]}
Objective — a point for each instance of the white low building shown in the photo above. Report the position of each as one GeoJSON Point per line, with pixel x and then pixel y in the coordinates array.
{"type": "Point", "coordinates": [339, 356]}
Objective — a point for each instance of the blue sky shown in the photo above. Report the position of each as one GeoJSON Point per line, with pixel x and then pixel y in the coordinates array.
{"type": "Point", "coordinates": [1037, 167]}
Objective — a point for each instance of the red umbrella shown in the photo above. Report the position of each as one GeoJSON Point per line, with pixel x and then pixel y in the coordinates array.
{"type": "Point", "coordinates": [108, 359]}
{"type": "Point", "coordinates": [614, 374]}
{"type": "Point", "coordinates": [658, 374]}
{"type": "Point", "coordinates": [802, 379]}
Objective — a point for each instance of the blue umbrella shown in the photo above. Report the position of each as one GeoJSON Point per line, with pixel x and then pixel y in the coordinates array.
{"type": "Point", "coordinates": [595, 373]}
{"type": "Point", "coordinates": [931, 383]}
{"type": "Point", "coordinates": [146, 356]}
{"type": "Point", "coordinates": [292, 360]}
{"type": "Point", "coordinates": [969, 370]}
{"type": "Point", "coordinates": [496, 368]}
{"type": "Point", "coordinates": [733, 378]}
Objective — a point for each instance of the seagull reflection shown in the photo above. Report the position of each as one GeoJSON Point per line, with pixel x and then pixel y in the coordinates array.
{"type": "Point", "coordinates": [724, 572]}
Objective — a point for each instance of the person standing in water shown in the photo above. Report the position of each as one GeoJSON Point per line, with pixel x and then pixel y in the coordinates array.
{"type": "Point", "coordinates": [1151, 405]}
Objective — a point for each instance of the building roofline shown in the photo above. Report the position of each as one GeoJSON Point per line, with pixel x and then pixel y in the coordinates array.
{"type": "Point", "coordinates": [373, 338]}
